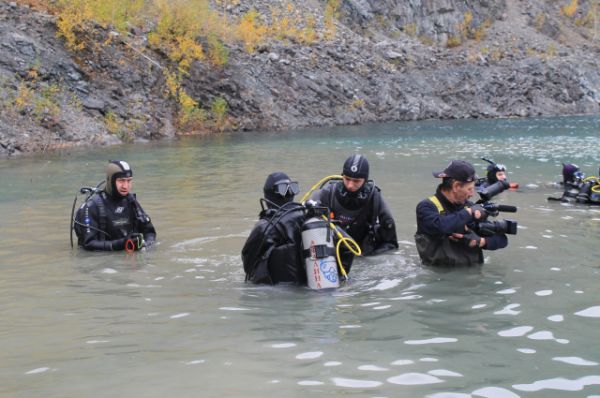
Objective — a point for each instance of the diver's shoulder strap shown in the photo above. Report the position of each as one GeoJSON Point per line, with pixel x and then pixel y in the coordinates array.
{"type": "Point", "coordinates": [376, 197]}
{"type": "Point", "coordinates": [140, 215]}
{"type": "Point", "coordinates": [433, 199]}
{"type": "Point", "coordinates": [99, 201]}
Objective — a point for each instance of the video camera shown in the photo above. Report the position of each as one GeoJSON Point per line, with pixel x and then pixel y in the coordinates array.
{"type": "Point", "coordinates": [489, 228]}
{"type": "Point", "coordinates": [488, 192]}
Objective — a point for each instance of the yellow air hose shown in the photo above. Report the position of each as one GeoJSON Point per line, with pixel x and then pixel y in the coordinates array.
{"type": "Point", "coordinates": [319, 185]}
{"type": "Point", "coordinates": [595, 188]}
{"type": "Point", "coordinates": [347, 240]}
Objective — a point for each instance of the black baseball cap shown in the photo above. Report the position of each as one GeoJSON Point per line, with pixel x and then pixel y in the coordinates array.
{"type": "Point", "coordinates": [458, 170]}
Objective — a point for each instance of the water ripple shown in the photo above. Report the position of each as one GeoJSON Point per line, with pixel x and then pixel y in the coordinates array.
{"type": "Point", "coordinates": [355, 383]}
{"type": "Point", "coordinates": [309, 355]}
{"type": "Point", "coordinates": [386, 284]}
{"type": "Point", "coordinates": [516, 331]}
{"type": "Point", "coordinates": [575, 361]}
{"type": "Point", "coordinates": [494, 392]}
{"type": "Point", "coordinates": [559, 383]}
{"type": "Point", "coordinates": [592, 312]}
{"type": "Point", "coordinates": [436, 340]}
{"type": "Point", "coordinates": [509, 310]}
{"type": "Point", "coordinates": [444, 372]}
{"type": "Point", "coordinates": [372, 368]}
{"type": "Point", "coordinates": [411, 379]}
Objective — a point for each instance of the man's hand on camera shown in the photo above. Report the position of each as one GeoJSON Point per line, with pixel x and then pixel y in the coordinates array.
{"type": "Point", "coordinates": [469, 238]}
{"type": "Point", "coordinates": [478, 212]}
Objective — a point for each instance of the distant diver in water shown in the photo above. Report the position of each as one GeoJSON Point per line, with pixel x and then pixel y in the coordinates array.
{"type": "Point", "coordinates": [495, 172]}
{"type": "Point", "coordinates": [577, 188]}
{"type": "Point", "coordinates": [112, 218]}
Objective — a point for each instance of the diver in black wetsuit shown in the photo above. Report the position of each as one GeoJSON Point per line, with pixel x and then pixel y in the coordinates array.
{"type": "Point", "coordinates": [494, 172]}
{"type": "Point", "coordinates": [113, 219]}
{"type": "Point", "coordinates": [358, 206]}
{"type": "Point", "coordinates": [273, 251]}
{"type": "Point", "coordinates": [572, 181]}
{"type": "Point", "coordinates": [578, 188]}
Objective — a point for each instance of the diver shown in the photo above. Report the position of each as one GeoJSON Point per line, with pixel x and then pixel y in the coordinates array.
{"type": "Point", "coordinates": [446, 221]}
{"type": "Point", "coordinates": [495, 173]}
{"type": "Point", "coordinates": [571, 184]}
{"type": "Point", "coordinates": [359, 208]}
{"type": "Point", "coordinates": [273, 251]}
{"type": "Point", "coordinates": [579, 188]}
{"type": "Point", "coordinates": [112, 218]}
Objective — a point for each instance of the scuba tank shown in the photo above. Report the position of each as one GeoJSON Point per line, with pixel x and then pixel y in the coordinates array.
{"type": "Point", "coordinates": [321, 267]}
{"type": "Point", "coordinates": [89, 192]}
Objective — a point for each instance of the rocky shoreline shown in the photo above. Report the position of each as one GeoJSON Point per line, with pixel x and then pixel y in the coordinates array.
{"type": "Point", "coordinates": [375, 69]}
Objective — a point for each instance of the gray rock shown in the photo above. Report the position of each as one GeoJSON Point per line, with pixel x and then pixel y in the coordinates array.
{"type": "Point", "coordinates": [94, 104]}
{"type": "Point", "coordinates": [393, 55]}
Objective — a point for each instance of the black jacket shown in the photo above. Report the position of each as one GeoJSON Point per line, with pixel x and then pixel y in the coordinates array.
{"type": "Point", "coordinates": [434, 228]}
{"type": "Point", "coordinates": [104, 223]}
{"type": "Point", "coordinates": [273, 251]}
{"type": "Point", "coordinates": [365, 216]}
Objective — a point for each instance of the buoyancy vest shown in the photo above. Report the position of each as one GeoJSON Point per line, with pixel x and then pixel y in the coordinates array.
{"type": "Point", "coordinates": [441, 251]}
{"type": "Point", "coordinates": [105, 223]}
{"type": "Point", "coordinates": [356, 220]}
{"type": "Point", "coordinates": [83, 218]}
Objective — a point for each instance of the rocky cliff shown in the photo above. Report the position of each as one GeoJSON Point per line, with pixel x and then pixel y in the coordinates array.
{"type": "Point", "coordinates": [389, 60]}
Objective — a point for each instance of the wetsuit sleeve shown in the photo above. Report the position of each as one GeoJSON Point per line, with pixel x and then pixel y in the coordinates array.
{"type": "Point", "coordinates": [431, 222]}
{"type": "Point", "coordinates": [253, 247]}
{"type": "Point", "coordinates": [149, 233]}
{"type": "Point", "coordinates": [142, 222]}
{"type": "Point", "coordinates": [386, 237]}
{"type": "Point", "coordinates": [495, 242]}
{"type": "Point", "coordinates": [91, 229]}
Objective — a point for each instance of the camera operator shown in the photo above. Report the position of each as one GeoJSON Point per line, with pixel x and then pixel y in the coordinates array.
{"type": "Point", "coordinates": [443, 236]}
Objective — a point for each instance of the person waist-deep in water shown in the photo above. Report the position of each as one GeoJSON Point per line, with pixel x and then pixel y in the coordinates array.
{"type": "Point", "coordinates": [444, 237]}
{"type": "Point", "coordinates": [273, 250]}
{"type": "Point", "coordinates": [358, 206]}
{"type": "Point", "coordinates": [112, 217]}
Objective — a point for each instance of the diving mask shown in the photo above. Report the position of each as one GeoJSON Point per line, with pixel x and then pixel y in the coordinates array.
{"type": "Point", "coordinates": [285, 187]}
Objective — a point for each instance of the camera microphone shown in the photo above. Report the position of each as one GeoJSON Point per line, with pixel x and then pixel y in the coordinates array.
{"type": "Point", "coordinates": [507, 208]}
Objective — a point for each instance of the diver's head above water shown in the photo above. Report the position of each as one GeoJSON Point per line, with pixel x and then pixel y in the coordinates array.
{"type": "Point", "coordinates": [355, 172]}
{"type": "Point", "coordinates": [495, 172]}
{"type": "Point", "coordinates": [569, 172]}
{"type": "Point", "coordinates": [279, 189]}
{"type": "Point", "coordinates": [119, 178]}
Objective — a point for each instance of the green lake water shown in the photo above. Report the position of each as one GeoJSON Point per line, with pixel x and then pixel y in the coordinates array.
{"type": "Point", "coordinates": [180, 321]}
